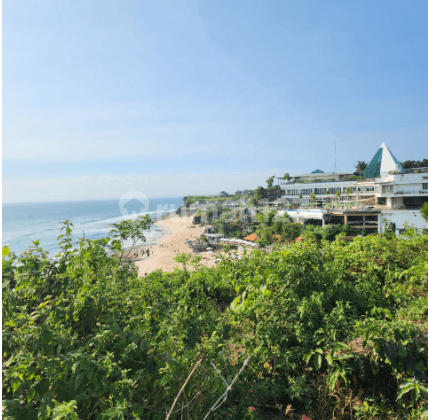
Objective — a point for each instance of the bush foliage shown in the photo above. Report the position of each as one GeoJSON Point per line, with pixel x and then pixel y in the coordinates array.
{"type": "Point", "coordinates": [333, 329]}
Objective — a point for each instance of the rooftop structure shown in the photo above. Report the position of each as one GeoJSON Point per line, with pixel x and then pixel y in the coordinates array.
{"type": "Point", "coordinates": [383, 163]}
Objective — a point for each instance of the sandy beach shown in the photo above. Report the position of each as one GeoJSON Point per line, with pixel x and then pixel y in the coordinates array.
{"type": "Point", "coordinates": [162, 254]}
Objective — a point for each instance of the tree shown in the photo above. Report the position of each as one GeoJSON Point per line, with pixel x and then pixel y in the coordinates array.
{"type": "Point", "coordinates": [424, 211]}
{"type": "Point", "coordinates": [338, 193]}
{"type": "Point", "coordinates": [132, 230]}
{"type": "Point", "coordinates": [348, 191]}
{"type": "Point", "coordinates": [286, 176]}
{"type": "Point", "coordinates": [269, 181]}
{"type": "Point", "coordinates": [257, 195]}
{"type": "Point", "coordinates": [360, 167]}
{"type": "Point", "coordinates": [411, 164]}
{"type": "Point", "coordinates": [312, 197]}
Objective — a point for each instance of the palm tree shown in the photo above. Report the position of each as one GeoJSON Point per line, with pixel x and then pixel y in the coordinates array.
{"type": "Point", "coordinates": [348, 191]}
{"type": "Point", "coordinates": [312, 197]}
{"type": "Point", "coordinates": [338, 193]}
{"type": "Point", "coordinates": [360, 167]}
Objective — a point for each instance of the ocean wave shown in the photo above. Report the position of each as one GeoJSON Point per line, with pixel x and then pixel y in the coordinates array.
{"type": "Point", "coordinates": [90, 221]}
{"type": "Point", "coordinates": [133, 216]}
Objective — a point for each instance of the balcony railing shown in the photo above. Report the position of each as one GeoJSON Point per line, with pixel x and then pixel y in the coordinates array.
{"type": "Point", "coordinates": [410, 192]}
{"type": "Point", "coordinates": [317, 181]}
{"type": "Point", "coordinates": [416, 171]}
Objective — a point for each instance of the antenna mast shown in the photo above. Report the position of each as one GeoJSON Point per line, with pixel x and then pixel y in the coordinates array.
{"type": "Point", "coordinates": [335, 167]}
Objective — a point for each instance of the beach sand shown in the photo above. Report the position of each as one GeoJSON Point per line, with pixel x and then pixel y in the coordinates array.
{"type": "Point", "coordinates": [162, 254]}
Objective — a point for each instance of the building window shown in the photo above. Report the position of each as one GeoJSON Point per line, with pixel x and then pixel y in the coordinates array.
{"type": "Point", "coordinates": [387, 189]}
{"type": "Point", "coordinates": [292, 192]}
{"type": "Point", "coordinates": [425, 186]}
{"type": "Point", "coordinates": [333, 190]}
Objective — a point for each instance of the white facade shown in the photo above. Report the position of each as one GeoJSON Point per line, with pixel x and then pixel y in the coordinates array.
{"type": "Point", "coordinates": [293, 190]}
{"type": "Point", "coordinates": [393, 187]}
{"type": "Point", "coordinates": [389, 162]}
{"type": "Point", "coordinates": [401, 185]}
{"type": "Point", "coordinates": [401, 219]}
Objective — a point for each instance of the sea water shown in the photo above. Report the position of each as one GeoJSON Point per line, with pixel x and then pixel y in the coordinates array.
{"type": "Point", "coordinates": [27, 222]}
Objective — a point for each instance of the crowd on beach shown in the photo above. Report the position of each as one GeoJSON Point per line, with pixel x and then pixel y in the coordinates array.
{"type": "Point", "coordinates": [161, 256]}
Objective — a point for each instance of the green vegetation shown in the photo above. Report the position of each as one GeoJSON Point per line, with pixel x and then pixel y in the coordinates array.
{"type": "Point", "coordinates": [411, 164]}
{"type": "Point", "coordinates": [258, 195]}
{"type": "Point", "coordinates": [333, 329]}
{"type": "Point", "coordinates": [269, 181]}
{"type": "Point", "coordinates": [424, 211]}
{"type": "Point", "coordinates": [360, 168]}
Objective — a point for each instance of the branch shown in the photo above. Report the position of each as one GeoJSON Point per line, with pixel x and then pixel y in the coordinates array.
{"type": "Point", "coordinates": [223, 397]}
{"type": "Point", "coordinates": [182, 388]}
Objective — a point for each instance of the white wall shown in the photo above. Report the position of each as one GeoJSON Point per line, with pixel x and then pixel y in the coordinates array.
{"type": "Point", "coordinates": [400, 217]}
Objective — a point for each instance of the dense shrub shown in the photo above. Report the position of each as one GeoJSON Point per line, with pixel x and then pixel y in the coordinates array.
{"type": "Point", "coordinates": [332, 328]}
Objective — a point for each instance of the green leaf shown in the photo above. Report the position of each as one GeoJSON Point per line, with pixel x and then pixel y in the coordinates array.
{"type": "Point", "coordinates": [15, 384]}
{"type": "Point", "coordinates": [318, 361]}
{"type": "Point", "coordinates": [404, 389]}
{"type": "Point", "coordinates": [30, 394]}
{"type": "Point", "coordinates": [332, 380]}
{"type": "Point", "coordinates": [234, 303]}
{"type": "Point", "coordinates": [5, 251]}
{"type": "Point", "coordinates": [79, 379]}
{"type": "Point", "coordinates": [424, 412]}
{"type": "Point", "coordinates": [416, 393]}
{"type": "Point", "coordinates": [74, 367]}
{"type": "Point", "coordinates": [308, 356]}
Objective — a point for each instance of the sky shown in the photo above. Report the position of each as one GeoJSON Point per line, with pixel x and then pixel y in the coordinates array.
{"type": "Point", "coordinates": [173, 98]}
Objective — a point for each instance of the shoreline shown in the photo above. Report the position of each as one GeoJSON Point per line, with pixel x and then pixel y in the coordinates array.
{"type": "Point", "coordinates": [181, 229]}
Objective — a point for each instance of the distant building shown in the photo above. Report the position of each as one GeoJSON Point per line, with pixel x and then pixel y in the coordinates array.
{"type": "Point", "coordinates": [392, 192]}
{"type": "Point", "coordinates": [223, 194]}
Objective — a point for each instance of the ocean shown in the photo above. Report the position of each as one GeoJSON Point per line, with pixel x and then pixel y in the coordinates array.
{"type": "Point", "coordinates": [27, 222]}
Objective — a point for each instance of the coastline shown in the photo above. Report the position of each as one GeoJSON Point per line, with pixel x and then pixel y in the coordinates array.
{"type": "Point", "coordinates": [162, 254]}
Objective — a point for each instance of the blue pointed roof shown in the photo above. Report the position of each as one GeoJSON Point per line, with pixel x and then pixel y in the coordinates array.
{"type": "Point", "coordinates": [382, 163]}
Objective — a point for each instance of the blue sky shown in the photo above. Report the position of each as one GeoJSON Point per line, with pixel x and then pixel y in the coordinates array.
{"type": "Point", "coordinates": [183, 97]}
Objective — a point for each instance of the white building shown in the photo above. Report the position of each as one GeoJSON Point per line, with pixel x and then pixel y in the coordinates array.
{"type": "Point", "coordinates": [387, 187]}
